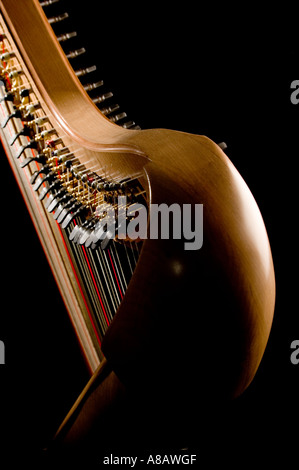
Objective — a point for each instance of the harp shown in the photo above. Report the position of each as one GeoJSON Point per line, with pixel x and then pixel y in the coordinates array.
{"type": "Point", "coordinates": [144, 310]}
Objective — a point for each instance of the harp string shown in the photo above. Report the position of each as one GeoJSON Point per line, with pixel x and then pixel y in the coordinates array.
{"type": "Point", "coordinates": [102, 276]}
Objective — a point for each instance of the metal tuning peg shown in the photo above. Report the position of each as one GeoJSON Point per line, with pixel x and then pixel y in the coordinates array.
{"type": "Point", "coordinates": [222, 145]}
{"type": "Point", "coordinates": [45, 134]}
{"type": "Point", "coordinates": [75, 53]}
{"type": "Point", "coordinates": [118, 117]}
{"type": "Point", "coordinates": [110, 109]}
{"type": "Point", "coordinates": [6, 56]}
{"type": "Point", "coordinates": [31, 108]}
{"type": "Point", "coordinates": [46, 3]}
{"type": "Point", "coordinates": [100, 99]}
{"type": "Point", "coordinates": [82, 72]}
{"type": "Point", "coordinates": [40, 121]}
{"type": "Point", "coordinates": [24, 96]}
{"type": "Point", "coordinates": [93, 86]}
{"type": "Point", "coordinates": [66, 36]}
{"type": "Point", "coordinates": [57, 19]}
{"type": "Point", "coordinates": [61, 151]}
{"type": "Point", "coordinates": [14, 74]}
{"type": "Point", "coordinates": [129, 125]}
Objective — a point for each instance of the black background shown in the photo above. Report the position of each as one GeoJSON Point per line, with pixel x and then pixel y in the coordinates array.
{"type": "Point", "coordinates": [221, 74]}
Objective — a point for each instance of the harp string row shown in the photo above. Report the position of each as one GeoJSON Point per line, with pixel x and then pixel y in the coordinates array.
{"type": "Point", "coordinates": [69, 190]}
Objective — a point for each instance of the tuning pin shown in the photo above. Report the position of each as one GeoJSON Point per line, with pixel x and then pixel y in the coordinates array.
{"type": "Point", "coordinates": [110, 109]}
{"type": "Point", "coordinates": [40, 121]}
{"type": "Point", "coordinates": [100, 99]}
{"type": "Point", "coordinates": [75, 53]}
{"type": "Point", "coordinates": [15, 73]}
{"type": "Point", "coordinates": [66, 36]}
{"type": "Point", "coordinates": [93, 86]}
{"type": "Point", "coordinates": [222, 145]}
{"type": "Point", "coordinates": [45, 134]}
{"type": "Point", "coordinates": [53, 142]}
{"type": "Point", "coordinates": [67, 159]}
{"type": "Point", "coordinates": [6, 56]}
{"type": "Point", "coordinates": [31, 108]}
{"type": "Point", "coordinates": [114, 186]}
{"type": "Point", "coordinates": [82, 72]}
{"type": "Point", "coordinates": [46, 3]}
{"type": "Point", "coordinates": [118, 117]}
{"type": "Point", "coordinates": [100, 186]}
{"type": "Point", "coordinates": [57, 19]}
{"type": "Point", "coordinates": [129, 125]}
{"type": "Point", "coordinates": [61, 151]}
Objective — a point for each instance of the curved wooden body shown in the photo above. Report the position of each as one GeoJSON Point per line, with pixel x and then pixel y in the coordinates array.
{"type": "Point", "coordinates": [212, 308]}
{"type": "Point", "coordinates": [194, 322]}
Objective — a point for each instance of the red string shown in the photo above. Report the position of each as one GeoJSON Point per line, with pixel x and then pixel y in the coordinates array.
{"type": "Point", "coordinates": [78, 282]}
